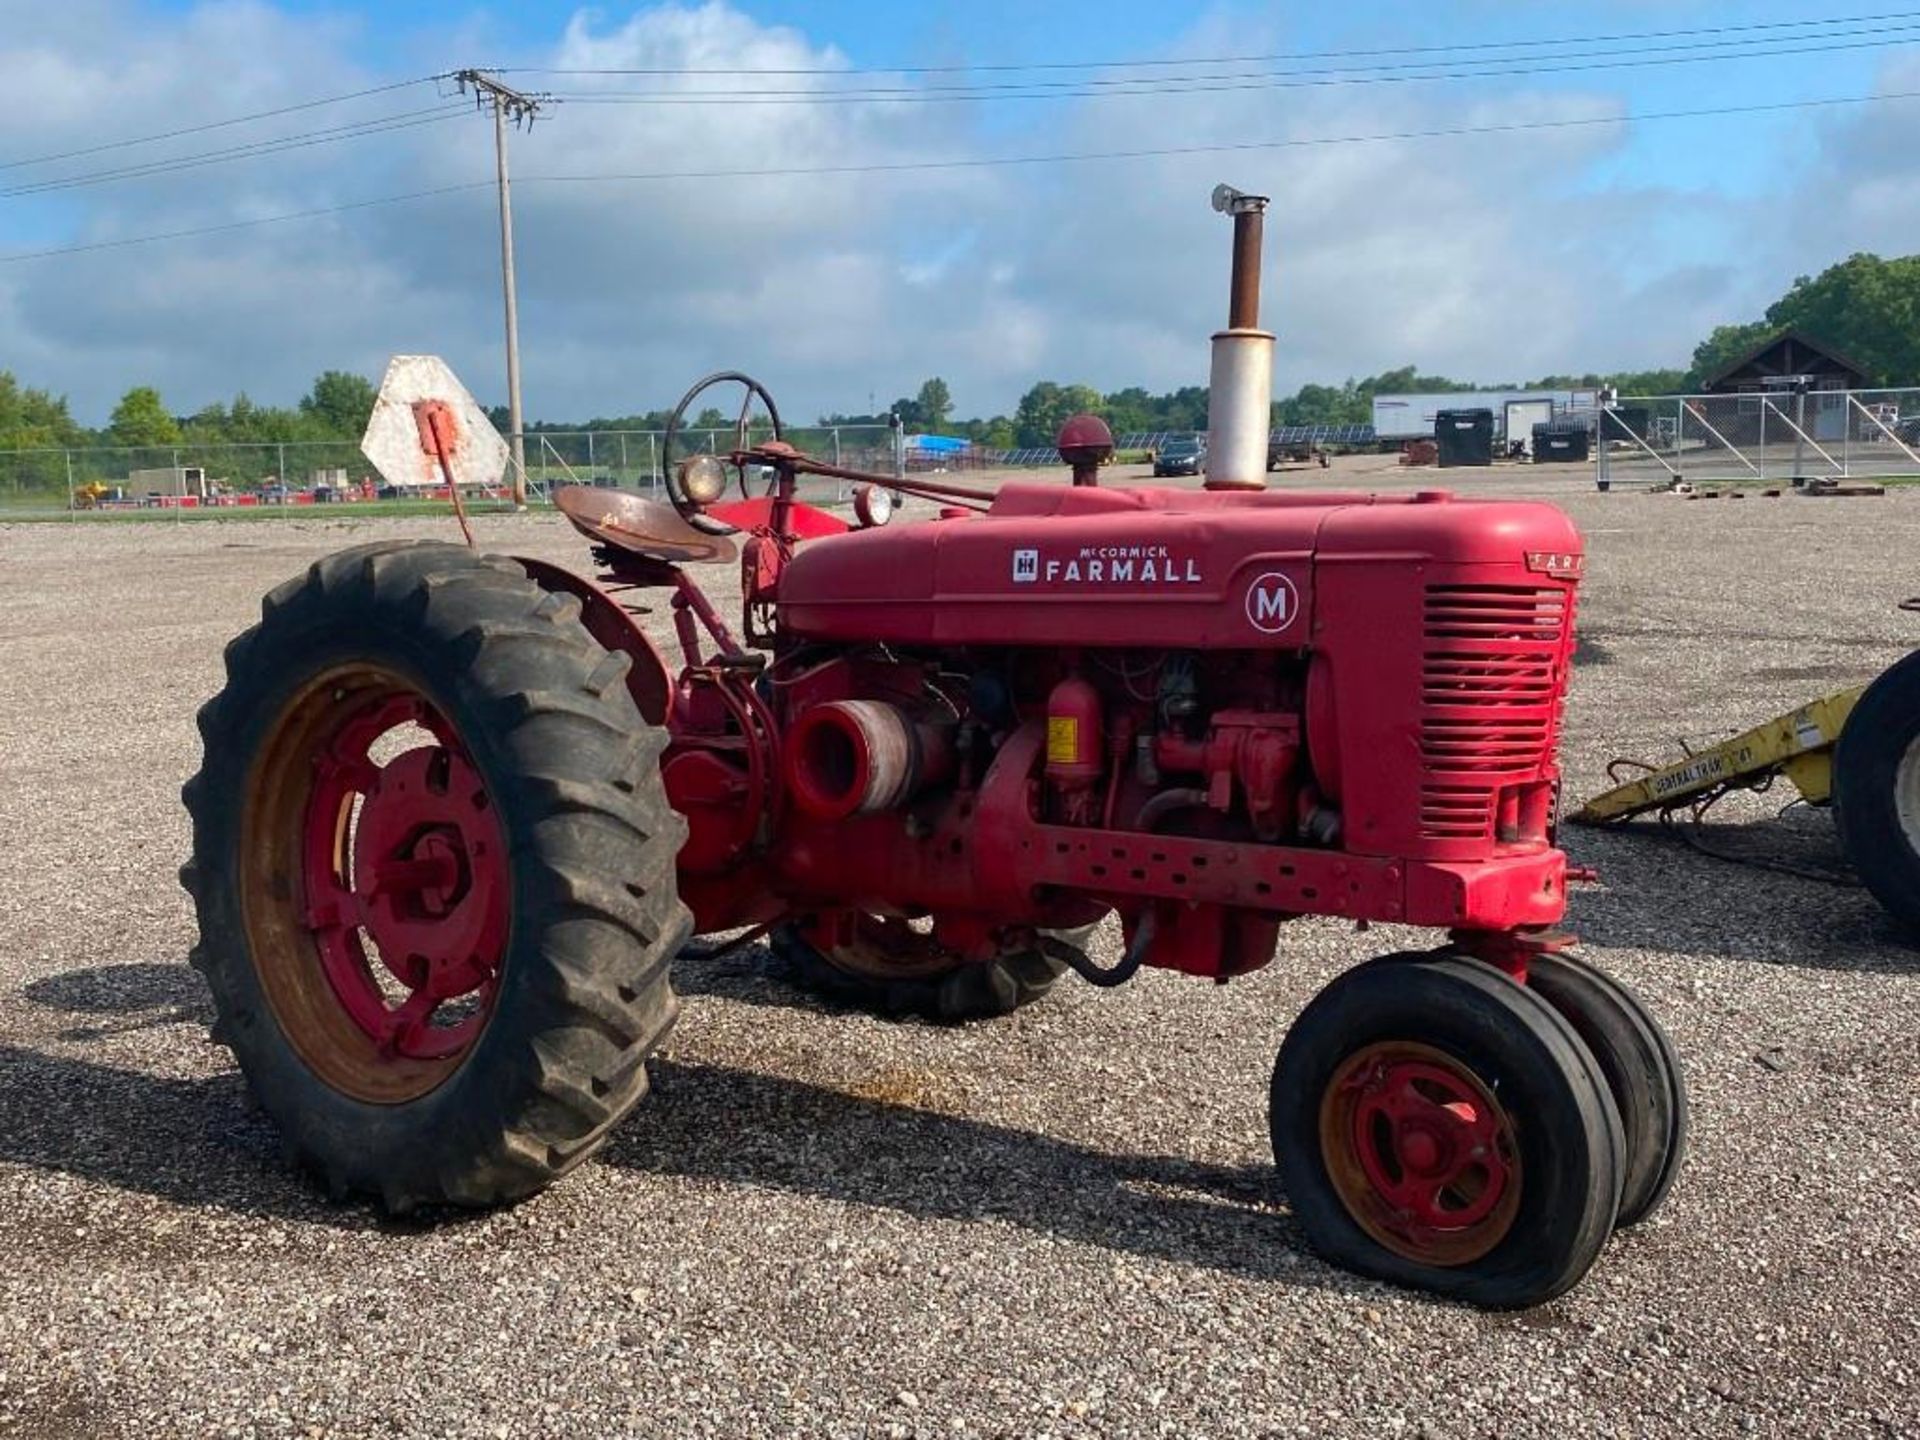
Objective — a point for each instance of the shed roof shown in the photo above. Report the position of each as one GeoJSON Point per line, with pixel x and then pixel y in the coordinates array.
{"type": "Point", "coordinates": [1792, 335]}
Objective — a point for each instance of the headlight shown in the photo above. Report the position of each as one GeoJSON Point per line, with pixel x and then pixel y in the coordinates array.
{"type": "Point", "coordinates": [703, 478]}
{"type": "Point", "coordinates": [872, 505]}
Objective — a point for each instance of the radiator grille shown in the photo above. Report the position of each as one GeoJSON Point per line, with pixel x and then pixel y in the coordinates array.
{"type": "Point", "coordinates": [1490, 696]}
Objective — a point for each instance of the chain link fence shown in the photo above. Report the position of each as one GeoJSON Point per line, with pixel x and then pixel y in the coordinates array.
{"type": "Point", "coordinates": [1761, 437]}
{"type": "Point", "coordinates": [188, 480]}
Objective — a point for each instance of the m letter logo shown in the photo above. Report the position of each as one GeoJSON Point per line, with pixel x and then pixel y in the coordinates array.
{"type": "Point", "coordinates": [1026, 566]}
{"type": "Point", "coordinates": [1272, 603]}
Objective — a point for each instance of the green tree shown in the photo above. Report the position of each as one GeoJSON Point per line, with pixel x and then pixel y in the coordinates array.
{"type": "Point", "coordinates": [339, 404]}
{"type": "Point", "coordinates": [1323, 405]}
{"type": "Point", "coordinates": [33, 419]}
{"type": "Point", "coordinates": [1725, 345]}
{"type": "Point", "coordinates": [1866, 307]}
{"type": "Point", "coordinates": [141, 419]}
{"type": "Point", "coordinates": [1048, 406]}
{"type": "Point", "coordinates": [935, 402]}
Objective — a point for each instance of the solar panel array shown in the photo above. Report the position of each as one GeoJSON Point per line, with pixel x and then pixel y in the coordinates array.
{"type": "Point", "coordinates": [1324, 435]}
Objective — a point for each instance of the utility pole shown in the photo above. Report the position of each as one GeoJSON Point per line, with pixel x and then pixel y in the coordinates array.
{"type": "Point", "coordinates": [506, 104]}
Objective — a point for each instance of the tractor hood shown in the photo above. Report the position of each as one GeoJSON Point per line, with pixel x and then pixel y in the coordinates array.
{"type": "Point", "coordinates": [1051, 565]}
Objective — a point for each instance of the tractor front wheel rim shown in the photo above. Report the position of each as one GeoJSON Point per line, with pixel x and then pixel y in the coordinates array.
{"type": "Point", "coordinates": [1421, 1154]}
{"type": "Point", "coordinates": [376, 885]}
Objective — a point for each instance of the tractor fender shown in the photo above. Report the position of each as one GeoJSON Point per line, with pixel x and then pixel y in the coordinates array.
{"type": "Point", "coordinates": [649, 680]}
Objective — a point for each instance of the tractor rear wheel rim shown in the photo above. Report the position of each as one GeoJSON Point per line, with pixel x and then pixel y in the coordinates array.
{"type": "Point", "coordinates": [376, 886]}
{"type": "Point", "coordinates": [1421, 1154]}
{"type": "Point", "coordinates": [880, 947]}
{"type": "Point", "coordinates": [1906, 795]}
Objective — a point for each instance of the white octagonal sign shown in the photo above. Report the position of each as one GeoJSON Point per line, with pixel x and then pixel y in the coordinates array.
{"type": "Point", "coordinates": [420, 399]}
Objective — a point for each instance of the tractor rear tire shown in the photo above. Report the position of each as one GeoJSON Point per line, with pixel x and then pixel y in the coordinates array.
{"type": "Point", "coordinates": [950, 989]}
{"type": "Point", "coordinates": [1439, 1127]}
{"type": "Point", "coordinates": [1876, 790]}
{"type": "Point", "coordinates": [545, 886]}
{"type": "Point", "coordinates": [1642, 1070]}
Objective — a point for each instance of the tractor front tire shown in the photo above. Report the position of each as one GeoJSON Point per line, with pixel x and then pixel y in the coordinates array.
{"type": "Point", "coordinates": [882, 969]}
{"type": "Point", "coordinates": [441, 968]}
{"type": "Point", "coordinates": [1876, 790]}
{"type": "Point", "coordinates": [1642, 1070]}
{"type": "Point", "coordinates": [1440, 1127]}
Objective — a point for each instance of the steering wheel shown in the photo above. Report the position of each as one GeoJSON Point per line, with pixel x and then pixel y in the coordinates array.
{"type": "Point", "coordinates": [691, 499]}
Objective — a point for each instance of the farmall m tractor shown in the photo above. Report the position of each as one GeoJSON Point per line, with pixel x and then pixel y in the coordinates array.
{"type": "Point", "coordinates": [458, 816]}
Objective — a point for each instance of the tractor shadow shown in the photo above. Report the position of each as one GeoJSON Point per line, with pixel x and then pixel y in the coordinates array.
{"type": "Point", "coordinates": [743, 1128]}
{"type": "Point", "coordinates": [1659, 892]}
{"type": "Point", "coordinates": [199, 1142]}
{"type": "Point", "coordinates": [126, 998]}
{"type": "Point", "coordinates": [753, 975]}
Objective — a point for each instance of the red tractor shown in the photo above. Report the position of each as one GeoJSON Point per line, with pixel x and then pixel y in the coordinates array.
{"type": "Point", "coordinates": [458, 816]}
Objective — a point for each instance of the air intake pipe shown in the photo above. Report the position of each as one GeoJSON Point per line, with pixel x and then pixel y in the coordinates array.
{"type": "Point", "coordinates": [861, 757]}
{"type": "Point", "coordinates": [1240, 392]}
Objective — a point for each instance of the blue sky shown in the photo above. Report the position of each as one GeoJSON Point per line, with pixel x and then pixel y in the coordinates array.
{"type": "Point", "coordinates": [1491, 257]}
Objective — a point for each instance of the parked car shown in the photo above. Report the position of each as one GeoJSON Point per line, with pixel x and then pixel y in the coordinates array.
{"type": "Point", "coordinates": [1179, 457]}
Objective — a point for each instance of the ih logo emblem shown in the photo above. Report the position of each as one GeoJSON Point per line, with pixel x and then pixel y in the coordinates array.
{"type": "Point", "coordinates": [1272, 603]}
{"type": "Point", "coordinates": [1026, 566]}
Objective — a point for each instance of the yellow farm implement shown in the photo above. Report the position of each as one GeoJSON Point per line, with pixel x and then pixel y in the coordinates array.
{"type": "Point", "coordinates": [1857, 752]}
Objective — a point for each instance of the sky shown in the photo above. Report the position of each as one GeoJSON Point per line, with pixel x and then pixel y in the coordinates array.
{"type": "Point", "coordinates": [1593, 241]}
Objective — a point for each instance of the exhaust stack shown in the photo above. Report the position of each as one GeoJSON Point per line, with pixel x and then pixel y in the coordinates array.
{"type": "Point", "coordinates": [1240, 395]}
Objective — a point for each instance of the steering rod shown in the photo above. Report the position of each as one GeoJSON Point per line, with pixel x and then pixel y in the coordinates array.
{"type": "Point", "coordinates": [784, 456]}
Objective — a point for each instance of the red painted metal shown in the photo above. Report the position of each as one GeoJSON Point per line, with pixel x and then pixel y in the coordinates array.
{"type": "Point", "coordinates": [1432, 1149]}
{"type": "Point", "coordinates": [420, 890]}
{"type": "Point", "coordinates": [1085, 444]}
{"type": "Point", "coordinates": [1218, 709]}
{"type": "Point", "coordinates": [649, 681]}
{"type": "Point", "coordinates": [440, 437]}
{"type": "Point", "coordinates": [862, 757]}
{"type": "Point", "coordinates": [803, 521]}
{"type": "Point", "coordinates": [1076, 754]}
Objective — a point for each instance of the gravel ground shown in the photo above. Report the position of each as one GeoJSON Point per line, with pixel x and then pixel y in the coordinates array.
{"type": "Point", "coordinates": [1064, 1223]}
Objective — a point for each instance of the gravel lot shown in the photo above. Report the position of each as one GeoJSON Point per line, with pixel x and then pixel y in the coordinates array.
{"type": "Point", "coordinates": [1065, 1223]}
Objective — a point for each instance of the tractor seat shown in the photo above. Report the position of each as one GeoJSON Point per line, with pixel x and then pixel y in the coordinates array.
{"type": "Point", "coordinates": [641, 526]}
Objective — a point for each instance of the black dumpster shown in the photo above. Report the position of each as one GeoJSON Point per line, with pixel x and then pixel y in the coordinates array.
{"type": "Point", "coordinates": [1553, 444]}
{"type": "Point", "coordinates": [1465, 437]}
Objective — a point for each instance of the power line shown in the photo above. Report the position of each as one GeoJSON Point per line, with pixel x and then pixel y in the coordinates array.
{"type": "Point", "coordinates": [231, 225]}
{"type": "Point", "coordinates": [1230, 147]}
{"type": "Point", "coordinates": [1200, 84]}
{"type": "Point", "coordinates": [1727, 49]}
{"type": "Point", "coordinates": [1010, 66]}
{"type": "Point", "coordinates": [405, 120]}
{"type": "Point", "coordinates": [989, 162]}
{"type": "Point", "coordinates": [219, 124]}
{"type": "Point", "coordinates": [1772, 27]}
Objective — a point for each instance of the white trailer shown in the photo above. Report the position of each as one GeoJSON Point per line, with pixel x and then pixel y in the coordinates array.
{"type": "Point", "coordinates": [1523, 415]}
{"type": "Point", "coordinates": [175, 482]}
{"type": "Point", "coordinates": [1410, 417]}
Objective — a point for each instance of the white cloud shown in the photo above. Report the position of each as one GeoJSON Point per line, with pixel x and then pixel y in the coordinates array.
{"type": "Point", "coordinates": [1471, 256]}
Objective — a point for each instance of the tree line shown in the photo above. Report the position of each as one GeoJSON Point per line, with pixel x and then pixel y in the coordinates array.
{"type": "Point", "coordinates": [1865, 306]}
